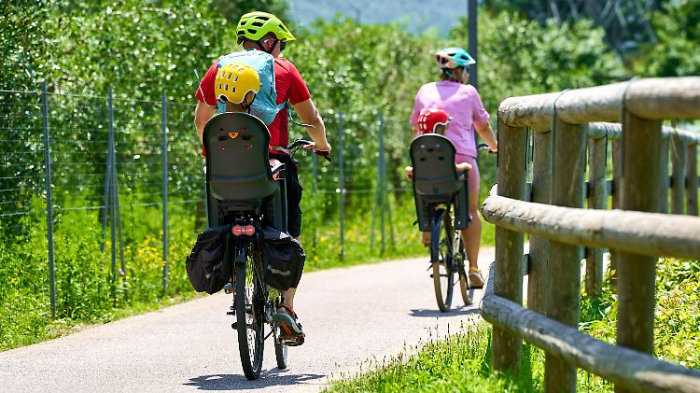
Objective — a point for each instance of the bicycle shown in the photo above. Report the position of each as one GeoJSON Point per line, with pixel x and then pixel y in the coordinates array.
{"type": "Point", "coordinates": [243, 191]}
{"type": "Point", "coordinates": [442, 204]}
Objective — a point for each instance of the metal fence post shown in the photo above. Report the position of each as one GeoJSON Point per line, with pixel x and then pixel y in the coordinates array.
{"type": "Point", "coordinates": [387, 191]}
{"type": "Point", "coordinates": [49, 194]}
{"type": "Point", "coordinates": [378, 190]}
{"type": "Point", "coordinates": [118, 217]}
{"type": "Point", "coordinates": [508, 276]}
{"type": "Point", "coordinates": [692, 173]}
{"type": "Point", "coordinates": [113, 205]}
{"type": "Point", "coordinates": [382, 186]}
{"type": "Point", "coordinates": [679, 161]}
{"type": "Point", "coordinates": [164, 124]}
{"type": "Point", "coordinates": [341, 189]}
{"type": "Point", "coordinates": [314, 177]}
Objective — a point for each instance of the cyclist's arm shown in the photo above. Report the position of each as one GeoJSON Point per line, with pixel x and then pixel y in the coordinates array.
{"type": "Point", "coordinates": [309, 115]}
{"type": "Point", "coordinates": [201, 116]}
{"type": "Point", "coordinates": [486, 133]}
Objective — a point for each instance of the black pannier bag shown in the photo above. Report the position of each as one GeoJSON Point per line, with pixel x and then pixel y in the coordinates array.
{"type": "Point", "coordinates": [205, 264]}
{"type": "Point", "coordinates": [283, 259]}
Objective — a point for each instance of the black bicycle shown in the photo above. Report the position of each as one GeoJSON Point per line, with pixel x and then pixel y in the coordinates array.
{"type": "Point", "coordinates": [243, 191]}
{"type": "Point", "coordinates": [442, 205]}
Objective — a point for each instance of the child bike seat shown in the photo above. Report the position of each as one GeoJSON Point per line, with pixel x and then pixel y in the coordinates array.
{"type": "Point", "coordinates": [238, 173]}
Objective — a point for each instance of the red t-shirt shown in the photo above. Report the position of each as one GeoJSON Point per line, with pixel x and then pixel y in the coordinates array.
{"type": "Point", "coordinates": [289, 85]}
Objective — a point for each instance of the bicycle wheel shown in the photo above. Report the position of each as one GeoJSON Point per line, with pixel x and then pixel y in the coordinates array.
{"type": "Point", "coordinates": [250, 316]}
{"type": "Point", "coordinates": [441, 255]}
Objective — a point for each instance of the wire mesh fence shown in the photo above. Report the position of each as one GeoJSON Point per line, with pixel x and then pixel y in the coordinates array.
{"type": "Point", "coordinates": [101, 198]}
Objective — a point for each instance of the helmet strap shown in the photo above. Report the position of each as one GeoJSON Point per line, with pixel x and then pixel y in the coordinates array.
{"type": "Point", "coordinates": [262, 48]}
{"type": "Point", "coordinates": [247, 107]}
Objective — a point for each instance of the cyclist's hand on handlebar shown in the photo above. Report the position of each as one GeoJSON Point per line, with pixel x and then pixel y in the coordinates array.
{"type": "Point", "coordinates": [318, 147]}
{"type": "Point", "coordinates": [493, 150]}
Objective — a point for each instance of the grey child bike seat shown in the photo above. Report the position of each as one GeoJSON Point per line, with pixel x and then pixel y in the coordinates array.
{"type": "Point", "coordinates": [435, 179]}
{"type": "Point", "coordinates": [238, 174]}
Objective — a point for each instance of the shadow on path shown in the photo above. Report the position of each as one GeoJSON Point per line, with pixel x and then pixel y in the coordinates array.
{"type": "Point", "coordinates": [464, 310]}
{"type": "Point", "coordinates": [268, 378]}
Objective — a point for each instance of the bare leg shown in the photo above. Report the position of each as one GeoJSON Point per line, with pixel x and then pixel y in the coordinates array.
{"type": "Point", "coordinates": [472, 235]}
{"type": "Point", "coordinates": [288, 295]}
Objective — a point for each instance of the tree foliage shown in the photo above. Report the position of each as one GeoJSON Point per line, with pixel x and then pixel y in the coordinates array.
{"type": "Point", "coordinates": [233, 10]}
{"type": "Point", "coordinates": [21, 43]}
{"type": "Point", "coordinates": [676, 51]}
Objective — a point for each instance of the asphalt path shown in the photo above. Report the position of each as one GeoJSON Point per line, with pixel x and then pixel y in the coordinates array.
{"type": "Point", "coordinates": [351, 316]}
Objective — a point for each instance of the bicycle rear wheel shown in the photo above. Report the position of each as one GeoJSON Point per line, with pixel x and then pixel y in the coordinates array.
{"type": "Point", "coordinates": [250, 316]}
{"type": "Point", "coordinates": [460, 258]}
{"type": "Point", "coordinates": [441, 255]}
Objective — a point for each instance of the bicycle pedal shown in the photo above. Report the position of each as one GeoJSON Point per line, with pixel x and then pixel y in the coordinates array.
{"type": "Point", "coordinates": [230, 312]}
{"type": "Point", "coordinates": [294, 341]}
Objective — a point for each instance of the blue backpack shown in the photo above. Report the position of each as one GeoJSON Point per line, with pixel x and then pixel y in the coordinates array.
{"type": "Point", "coordinates": [265, 105]}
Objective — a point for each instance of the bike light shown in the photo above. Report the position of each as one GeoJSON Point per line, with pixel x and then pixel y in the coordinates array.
{"type": "Point", "coordinates": [249, 230]}
{"type": "Point", "coordinates": [237, 230]}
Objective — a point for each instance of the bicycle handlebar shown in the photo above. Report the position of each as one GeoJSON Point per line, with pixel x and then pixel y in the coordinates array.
{"type": "Point", "coordinates": [298, 143]}
{"type": "Point", "coordinates": [484, 146]}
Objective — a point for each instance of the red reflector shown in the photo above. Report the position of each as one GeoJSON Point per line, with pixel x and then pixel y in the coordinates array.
{"type": "Point", "coordinates": [239, 230]}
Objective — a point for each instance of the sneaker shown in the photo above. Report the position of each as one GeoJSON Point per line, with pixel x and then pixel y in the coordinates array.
{"type": "Point", "coordinates": [476, 280]}
{"type": "Point", "coordinates": [229, 287]}
{"type": "Point", "coordinates": [291, 329]}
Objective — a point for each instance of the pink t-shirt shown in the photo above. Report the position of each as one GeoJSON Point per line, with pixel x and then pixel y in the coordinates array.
{"type": "Point", "coordinates": [462, 103]}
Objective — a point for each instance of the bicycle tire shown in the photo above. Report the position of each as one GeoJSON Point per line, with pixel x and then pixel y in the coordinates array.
{"type": "Point", "coordinates": [250, 317]}
{"type": "Point", "coordinates": [281, 351]}
{"type": "Point", "coordinates": [460, 258]}
{"type": "Point", "coordinates": [441, 259]}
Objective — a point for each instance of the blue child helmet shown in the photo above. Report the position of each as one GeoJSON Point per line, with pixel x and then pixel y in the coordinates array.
{"type": "Point", "coordinates": [453, 57]}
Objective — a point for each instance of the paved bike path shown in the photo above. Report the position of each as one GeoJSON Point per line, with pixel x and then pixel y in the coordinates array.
{"type": "Point", "coordinates": [350, 316]}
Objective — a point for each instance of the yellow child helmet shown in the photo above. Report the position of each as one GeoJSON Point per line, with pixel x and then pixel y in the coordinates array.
{"type": "Point", "coordinates": [234, 81]}
{"type": "Point", "coordinates": [255, 25]}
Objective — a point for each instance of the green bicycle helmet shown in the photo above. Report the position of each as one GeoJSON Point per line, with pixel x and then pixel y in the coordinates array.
{"type": "Point", "coordinates": [255, 25]}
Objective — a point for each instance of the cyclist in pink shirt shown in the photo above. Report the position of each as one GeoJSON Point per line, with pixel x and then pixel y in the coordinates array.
{"type": "Point", "coordinates": [462, 102]}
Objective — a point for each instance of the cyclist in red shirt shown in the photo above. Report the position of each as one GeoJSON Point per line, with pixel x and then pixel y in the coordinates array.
{"type": "Point", "coordinates": [263, 31]}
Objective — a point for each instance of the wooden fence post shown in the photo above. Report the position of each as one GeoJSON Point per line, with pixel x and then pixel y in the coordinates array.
{"type": "Point", "coordinates": [665, 178]}
{"type": "Point", "coordinates": [508, 279]}
{"type": "Point", "coordinates": [641, 141]}
{"type": "Point", "coordinates": [539, 247]}
{"type": "Point", "coordinates": [564, 278]}
{"type": "Point", "coordinates": [691, 171]}
{"type": "Point", "coordinates": [678, 157]}
{"type": "Point", "coordinates": [596, 200]}
{"type": "Point", "coordinates": [617, 187]}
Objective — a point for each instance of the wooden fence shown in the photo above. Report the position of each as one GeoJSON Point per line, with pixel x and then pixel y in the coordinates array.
{"type": "Point", "coordinates": [551, 210]}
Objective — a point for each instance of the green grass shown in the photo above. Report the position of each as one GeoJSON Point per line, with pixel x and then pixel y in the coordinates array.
{"type": "Point", "coordinates": [457, 363]}
{"type": "Point", "coordinates": [462, 363]}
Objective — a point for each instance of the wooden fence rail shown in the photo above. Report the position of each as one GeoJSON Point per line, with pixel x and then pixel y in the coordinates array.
{"type": "Point", "coordinates": [552, 211]}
